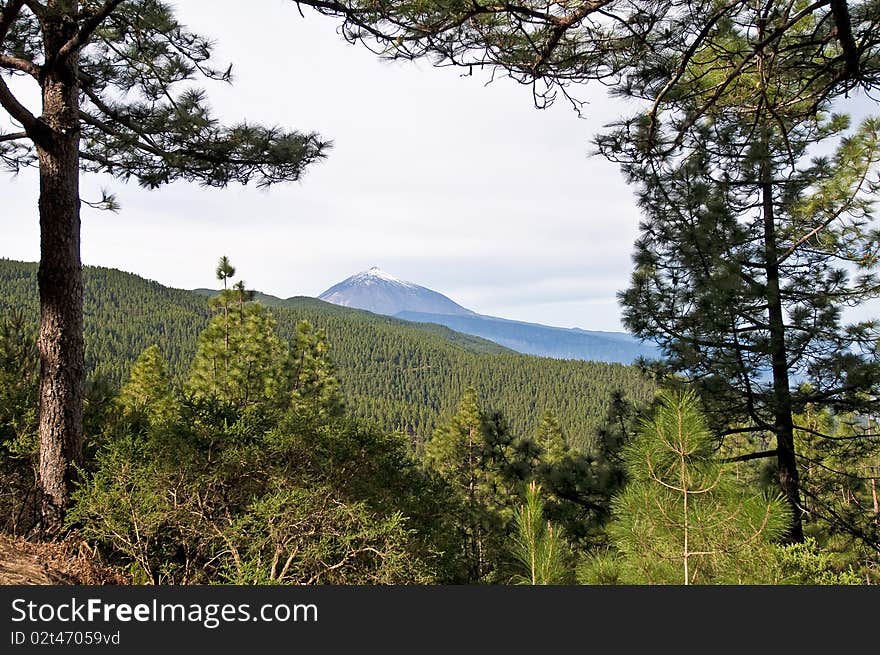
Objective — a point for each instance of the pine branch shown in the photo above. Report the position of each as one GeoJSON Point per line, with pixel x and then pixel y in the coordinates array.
{"type": "Point", "coordinates": [34, 128]}
{"type": "Point", "coordinates": [744, 458]}
{"type": "Point", "coordinates": [15, 63]}
{"type": "Point", "coordinates": [828, 437]}
{"type": "Point", "coordinates": [561, 26]}
{"type": "Point", "coordinates": [742, 430]}
{"type": "Point", "coordinates": [851, 54]}
{"type": "Point", "coordinates": [14, 136]}
{"type": "Point", "coordinates": [213, 154]}
{"type": "Point", "coordinates": [682, 68]}
{"type": "Point", "coordinates": [845, 206]}
{"type": "Point", "coordinates": [143, 142]}
{"type": "Point", "coordinates": [82, 36]}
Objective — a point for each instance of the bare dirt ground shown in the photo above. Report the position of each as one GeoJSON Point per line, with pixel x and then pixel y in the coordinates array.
{"type": "Point", "coordinates": [70, 562]}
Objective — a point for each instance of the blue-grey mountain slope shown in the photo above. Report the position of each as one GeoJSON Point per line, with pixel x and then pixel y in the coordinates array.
{"type": "Point", "coordinates": [382, 293]}
{"type": "Point", "coordinates": [543, 340]}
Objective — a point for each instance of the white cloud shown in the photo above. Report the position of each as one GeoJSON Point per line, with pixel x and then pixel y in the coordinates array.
{"type": "Point", "coordinates": [435, 177]}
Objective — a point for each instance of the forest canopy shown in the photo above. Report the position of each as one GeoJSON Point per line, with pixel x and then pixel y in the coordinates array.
{"type": "Point", "coordinates": [247, 439]}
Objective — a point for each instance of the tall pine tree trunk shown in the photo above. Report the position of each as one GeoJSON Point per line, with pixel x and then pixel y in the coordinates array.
{"type": "Point", "coordinates": [60, 273]}
{"type": "Point", "coordinates": [782, 408]}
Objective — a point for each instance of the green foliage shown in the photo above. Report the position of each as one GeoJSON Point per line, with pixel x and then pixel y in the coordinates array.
{"type": "Point", "coordinates": [148, 391]}
{"type": "Point", "coordinates": [125, 506]}
{"type": "Point", "coordinates": [19, 384]}
{"type": "Point", "coordinates": [578, 486]}
{"type": "Point", "coordinates": [19, 369]}
{"type": "Point", "coordinates": [604, 567]}
{"type": "Point", "coordinates": [805, 563]}
{"type": "Point", "coordinates": [467, 453]}
{"type": "Point", "coordinates": [537, 544]}
{"type": "Point", "coordinates": [844, 508]}
{"type": "Point", "coordinates": [225, 270]}
{"type": "Point", "coordinates": [274, 487]}
{"type": "Point", "coordinates": [311, 373]}
{"type": "Point", "coordinates": [239, 357]}
{"type": "Point", "coordinates": [214, 495]}
{"type": "Point", "coordinates": [551, 440]}
{"type": "Point", "coordinates": [308, 536]}
{"type": "Point", "coordinates": [457, 449]}
{"type": "Point", "coordinates": [683, 518]}
{"type": "Point", "coordinates": [401, 376]}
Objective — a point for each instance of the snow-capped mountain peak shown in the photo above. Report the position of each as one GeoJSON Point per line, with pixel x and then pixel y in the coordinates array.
{"type": "Point", "coordinates": [381, 292]}
{"type": "Point", "coordinates": [376, 275]}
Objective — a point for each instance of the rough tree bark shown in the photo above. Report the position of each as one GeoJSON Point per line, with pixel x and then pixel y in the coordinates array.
{"type": "Point", "coordinates": [60, 274]}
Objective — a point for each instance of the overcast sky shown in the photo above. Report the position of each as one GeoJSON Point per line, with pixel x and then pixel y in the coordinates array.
{"type": "Point", "coordinates": [434, 177]}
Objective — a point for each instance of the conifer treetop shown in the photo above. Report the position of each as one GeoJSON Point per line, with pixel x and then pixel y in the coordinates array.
{"type": "Point", "coordinates": [141, 112]}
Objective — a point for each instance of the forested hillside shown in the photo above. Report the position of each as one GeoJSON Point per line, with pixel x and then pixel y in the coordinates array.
{"type": "Point", "coordinates": [399, 374]}
{"type": "Point", "coordinates": [192, 437]}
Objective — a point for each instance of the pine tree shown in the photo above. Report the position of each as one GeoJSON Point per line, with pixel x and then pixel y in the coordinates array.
{"type": "Point", "coordinates": [684, 518]}
{"type": "Point", "coordinates": [225, 270]}
{"type": "Point", "coordinates": [537, 544]}
{"type": "Point", "coordinates": [148, 390]}
{"type": "Point", "coordinates": [312, 375]}
{"type": "Point", "coordinates": [751, 244]}
{"type": "Point", "coordinates": [115, 79]}
{"type": "Point", "coordinates": [744, 265]}
{"type": "Point", "coordinates": [551, 440]}
{"type": "Point", "coordinates": [239, 358]}
{"type": "Point", "coordinates": [463, 453]}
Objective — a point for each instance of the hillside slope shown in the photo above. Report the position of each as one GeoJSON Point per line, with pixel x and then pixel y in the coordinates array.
{"type": "Point", "coordinates": [381, 293]}
{"type": "Point", "coordinates": [543, 340]}
{"type": "Point", "coordinates": [401, 375]}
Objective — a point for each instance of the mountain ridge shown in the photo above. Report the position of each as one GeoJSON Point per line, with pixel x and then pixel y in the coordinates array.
{"type": "Point", "coordinates": [399, 375]}
{"type": "Point", "coordinates": [380, 292]}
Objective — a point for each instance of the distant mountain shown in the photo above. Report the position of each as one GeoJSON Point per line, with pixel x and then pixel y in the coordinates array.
{"type": "Point", "coordinates": [543, 340]}
{"type": "Point", "coordinates": [381, 293]}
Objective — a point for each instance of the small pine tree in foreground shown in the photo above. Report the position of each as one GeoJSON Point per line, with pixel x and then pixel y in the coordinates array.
{"type": "Point", "coordinates": [537, 544]}
{"type": "Point", "coordinates": [684, 518]}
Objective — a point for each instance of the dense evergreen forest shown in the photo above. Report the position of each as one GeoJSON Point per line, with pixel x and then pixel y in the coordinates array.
{"type": "Point", "coordinates": [201, 437]}
{"type": "Point", "coordinates": [225, 444]}
{"type": "Point", "coordinates": [400, 375]}
{"type": "Point", "coordinates": [218, 426]}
